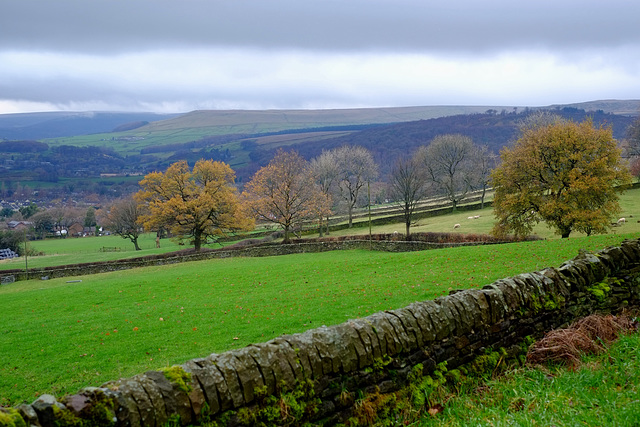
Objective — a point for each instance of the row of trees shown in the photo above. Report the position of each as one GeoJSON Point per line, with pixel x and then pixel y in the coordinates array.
{"type": "Point", "coordinates": [560, 172]}
{"type": "Point", "coordinates": [202, 204]}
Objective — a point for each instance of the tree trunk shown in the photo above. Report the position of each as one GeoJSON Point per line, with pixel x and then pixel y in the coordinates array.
{"type": "Point", "coordinates": [350, 216]}
{"type": "Point", "coordinates": [197, 242]}
{"type": "Point", "coordinates": [320, 226]}
{"type": "Point", "coordinates": [407, 225]}
{"type": "Point", "coordinates": [286, 239]}
{"type": "Point", "coordinates": [135, 244]}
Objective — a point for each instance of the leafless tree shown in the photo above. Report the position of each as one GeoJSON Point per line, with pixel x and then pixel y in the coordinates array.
{"type": "Point", "coordinates": [124, 219]}
{"type": "Point", "coordinates": [325, 171]}
{"type": "Point", "coordinates": [356, 168]}
{"type": "Point", "coordinates": [449, 164]}
{"type": "Point", "coordinates": [633, 139]}
{"type": "Point", "coordinates": [485, 161]}
{"type": "Point", "coordinates": [408, 187]}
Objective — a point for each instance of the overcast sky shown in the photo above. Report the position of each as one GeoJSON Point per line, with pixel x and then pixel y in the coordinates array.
{"type": "Point", "coordinates": [182, 55]}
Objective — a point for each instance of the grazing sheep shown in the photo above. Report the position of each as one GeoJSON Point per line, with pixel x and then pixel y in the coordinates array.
{"type": "Point", "coordinates": [476, 217]}
{"type": "Point", "coordinates": [456, 226]}
{"type": "Point", "coordinates": [622, 221]}
{"type": "Point", "coordinates": [470, 217]}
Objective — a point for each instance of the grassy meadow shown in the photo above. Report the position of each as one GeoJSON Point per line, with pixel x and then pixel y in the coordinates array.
{"type": "Point", "coordinates": [63, 334]}
{"type": "Point", "coordinates": [603, 391]}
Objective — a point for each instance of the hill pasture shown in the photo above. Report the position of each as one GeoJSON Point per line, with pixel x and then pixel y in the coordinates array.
{"type": "Point", "coordinates": [64, 334]}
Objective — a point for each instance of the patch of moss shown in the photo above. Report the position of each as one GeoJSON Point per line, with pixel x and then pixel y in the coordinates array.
{"type": "Point", "coordinates": [372, 408]}
{"type": "Point", "coordinates": [286, 407]}
{"type": "Point", "coordinates": [64, 417]}
{"type": "Point", "coordinates": [100, 412]}
{"type": "Point", "coordinates": [600, 290]}
{"type": "Point", "coordinates": [488, 363]}
{"type": "Point", "coordinates": [10, 417]}
{"type": "Point", "coordinates": [380, 362]}
{"type": "Point", "coordinates": [554, 302]}
{"type": "Point", "coordinates": [176, 375]}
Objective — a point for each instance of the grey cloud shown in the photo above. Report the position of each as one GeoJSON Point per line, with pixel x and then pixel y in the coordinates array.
{"type": "Point", "coordinates": [334, 25]}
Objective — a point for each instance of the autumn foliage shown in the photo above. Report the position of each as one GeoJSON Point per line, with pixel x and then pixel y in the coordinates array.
{"type": "Point", "coordinates": [201, 204]}
{"type": "Point", "coordinates": [566, 174]}
{"type": "Point", "coordinates": [284, 192]}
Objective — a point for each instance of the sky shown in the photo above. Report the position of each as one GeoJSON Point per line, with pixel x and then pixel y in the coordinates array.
{"type": "Point", "coordinates": [173, 56]}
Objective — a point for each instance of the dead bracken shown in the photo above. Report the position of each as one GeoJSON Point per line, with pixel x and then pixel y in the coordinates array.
{"type": "Point", "coordinates": [589, 335]}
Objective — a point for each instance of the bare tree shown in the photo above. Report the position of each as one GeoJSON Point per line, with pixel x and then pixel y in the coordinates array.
{"type": "Point", "coordinates": [356, 168]}
{"type": "Point", "coordinates": [408, 187]}
{"type": "Point", "coordinates": [485, 161]}
{"type": "Point", "coordinates": [633, 139]}
{"type": "Point", "coordinates": [448, 162]}
{"type": "Point", "coordinates": [325, 172]}
{"type": "Point", "coordinates": [124, 219]}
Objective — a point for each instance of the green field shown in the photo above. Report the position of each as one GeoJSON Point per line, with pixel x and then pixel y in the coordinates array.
{"type": "Point", "coordinates": [63, 334]}
{"type": "Point", "coordinates": [603, 391]}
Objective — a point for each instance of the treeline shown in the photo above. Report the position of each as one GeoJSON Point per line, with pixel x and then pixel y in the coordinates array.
{"type": "Point", "coordinates": [33, 163]}
{"type": "Point", "coordinates": [23, 146]}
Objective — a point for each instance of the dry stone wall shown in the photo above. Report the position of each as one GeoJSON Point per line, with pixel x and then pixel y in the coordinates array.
{"type": "Point", "coordinates": [376, 354]}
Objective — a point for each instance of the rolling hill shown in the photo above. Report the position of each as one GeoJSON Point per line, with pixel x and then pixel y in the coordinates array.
{"type": "Point", "coordinates": [110, 163]}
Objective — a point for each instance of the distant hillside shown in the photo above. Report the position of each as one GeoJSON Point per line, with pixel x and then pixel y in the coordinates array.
{"type": "Point", "coordinates": [110, 163]}
{"type": "Point", "coordinates": [34, 126]}
{"type": "Point", "coordinates": [390, 142]}
{"type": "Point", "coordinates": [629, 107]}
{"type": "Point", "coordinates": [66, 124]}
{"type": "Point", "coordinates": [260, 121]}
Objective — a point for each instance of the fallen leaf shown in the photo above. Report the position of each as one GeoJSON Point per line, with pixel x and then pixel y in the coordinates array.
{"type": "Point", "coordinates": [435, 410]}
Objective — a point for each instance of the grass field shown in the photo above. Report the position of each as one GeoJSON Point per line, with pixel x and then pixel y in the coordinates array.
{"type": "Point", "coordinates": [603, 391]}
{"type": "Point", "coordinates": [63, 334]}
{"type": "Point", "coordinates": [60, 335]}
{"type": "Point", "coordinates": [89, 249]}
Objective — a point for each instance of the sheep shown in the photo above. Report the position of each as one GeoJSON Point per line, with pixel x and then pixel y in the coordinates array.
{"type": "Point", "coordinates": [622, 221]}
{"type": "Point", "coordinates": [476, 217]}
{"type": "Point", "coordinates": [456, 226]}
{"type": "Point", "coordinates": [470, 217]}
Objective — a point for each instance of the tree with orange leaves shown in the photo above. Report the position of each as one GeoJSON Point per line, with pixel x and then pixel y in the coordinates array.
{"type": "Point", "coordinates": [284, 192]}
{"type": "Point", "coordinates": [199, 204]}
{"type": "Point", "coordinates": [565, 174]}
